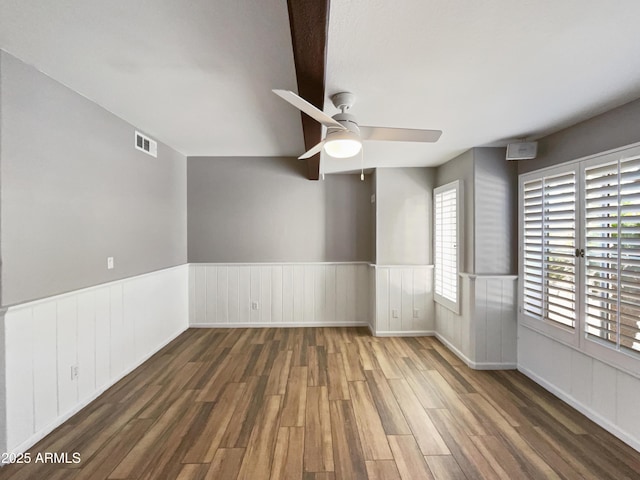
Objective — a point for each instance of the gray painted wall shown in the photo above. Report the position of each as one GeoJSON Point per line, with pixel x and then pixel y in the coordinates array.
{"type": "Point", "coordinates": [496, 212]}
{"type": "Point", "coordinates": [404, 220]}
{"type": "Point", "coordinates": [462, 168]}
{"type": "Point", "coordinates": [263, 209]}
{"type": "Point", "coordinates": [74, 191]}
{"type": "Point", "coordinates": [612, 129]}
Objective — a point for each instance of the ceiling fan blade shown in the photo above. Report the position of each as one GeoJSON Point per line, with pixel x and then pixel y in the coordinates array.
{"type": "Point", "coordinates": [399, 134]}
{"type": "Point", "coordinates": [301, 104]}
{"type": "Point", "coordinates": [310, 153]}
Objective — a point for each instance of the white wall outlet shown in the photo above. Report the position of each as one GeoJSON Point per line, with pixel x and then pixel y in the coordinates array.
{"type": "Point", "coordinates": [373, 198]}
{"type": "Point", "coordinates": [416, 313]}
{"type": "Point", "coordinates": [394, 313]}
{"type": "Point", "coordinates": [109, 263]}
{"type": "Point", "coordinates": [74, 372]}
{"type": "Point", "coordinates": [254, 305]}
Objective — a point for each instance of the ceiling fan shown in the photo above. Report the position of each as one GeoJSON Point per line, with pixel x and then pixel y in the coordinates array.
{"type": "Point", "coordinates": [344, 136]}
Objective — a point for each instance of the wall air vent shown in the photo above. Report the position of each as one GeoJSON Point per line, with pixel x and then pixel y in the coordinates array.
{"type": "Point", "coordinates": [146, 145]}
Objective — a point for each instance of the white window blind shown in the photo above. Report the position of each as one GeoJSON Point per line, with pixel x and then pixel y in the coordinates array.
{"type": "Point", "coordinates": [612, 261]}
{"type": "Point", "coordinates": [446, 244]}
{"type": "Point", "coordinates": [580, 254]}
{"type": "Point", "coordinates": [549, 250]}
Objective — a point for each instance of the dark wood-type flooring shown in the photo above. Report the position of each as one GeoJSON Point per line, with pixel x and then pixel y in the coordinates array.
{"type": "Point", "coordinates": [325, 403]}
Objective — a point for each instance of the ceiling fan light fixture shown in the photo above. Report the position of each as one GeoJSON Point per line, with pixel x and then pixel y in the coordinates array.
{"type": "Point", "coordinates": [342, 144]}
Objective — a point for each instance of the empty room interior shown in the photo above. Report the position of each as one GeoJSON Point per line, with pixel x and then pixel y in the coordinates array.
{"type": "Point", "coordinates": [319, 239]}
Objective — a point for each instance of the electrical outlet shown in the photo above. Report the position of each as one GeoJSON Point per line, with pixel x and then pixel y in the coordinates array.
{"type": "Point", "coordinates": [109, 263]}
{"type": "Point", "coordinates": [74, 372]}
{"type": "Point", "coordinates": [394, 313]}
{"type": "Point", "coordinates": [416, 313]}
{"type": "Point", "coordinates": [254, 305]}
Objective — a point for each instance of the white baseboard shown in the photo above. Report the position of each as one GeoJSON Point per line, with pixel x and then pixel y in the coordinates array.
{"type": "Point", "coordinates": [402, 333]}
{"type": "Point", "coordinates": [24, 446]}
{"type": "Point", "coordinates": [278, 325]}
{"type": "Point", "coordinates": [471, 363]}
{"type": "Point", "coordinates": [586, 411]}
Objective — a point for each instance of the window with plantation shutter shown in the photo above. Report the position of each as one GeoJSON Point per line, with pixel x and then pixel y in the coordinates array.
{"type": "Point", "coordinates": [446, 203]}
{"type": "Point", "coordinates": [612, 253]}
{"type": "Point", "coordinates": [580, 254]}
{"type": "Point", "coordinates": [549, 248]}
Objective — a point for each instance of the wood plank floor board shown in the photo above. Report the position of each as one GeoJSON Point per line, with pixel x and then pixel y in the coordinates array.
{"type": "Point", "coordinates": [382, 470]}
{"type": "Point", "coordinates": [469, 458]}
{"type": "Point", "coordinates": [317, 357]}
{"type": "Point", "coordinates": [347, 450]}
{"type": "Point", "coordinates": [258, 456]}
{"type": "Point", "coordinates": [325, 404]}
{"type": "Point", "coordinates": [391, 415]}
{"type": "Point", "coordinates": [289, 454]}
{"type": "Point", "coordinates": [409, 460]}
{"type": "Point", "coordinates": [429, 439]}
{"type": "Point", "coordinates": [505, 464]}
{"type": "Point", "coordinates": [372, 435]}
{"type": "Point", "coordinates": [337, 377]}
{"type": "Point", "coordinates": [279, 374]}
{"type": "Point", "coordinates": [427, 395]}
{"type": "Point", "coordinates": [295, 399]}
{"type": "Point", "coordinates": [385, 360]}
{"type": "Point", "coordinates": [141, 454]}
{"type": "Point", "coordinates": [318, 453]}
{"type": "Point", "coordinates": [207, 437]}
{"type": "Point", "coordinates": [241, 423]}
{"type": "Point", "coordinates": [226, 464]}
{"type": "Point", "coordinates": [445, 467]}
{"type": "Point", "coordinates": [352, 366]}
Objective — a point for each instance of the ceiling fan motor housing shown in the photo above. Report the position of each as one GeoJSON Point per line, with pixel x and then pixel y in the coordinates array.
{"type": "Point", "coordinates": [348, 121]}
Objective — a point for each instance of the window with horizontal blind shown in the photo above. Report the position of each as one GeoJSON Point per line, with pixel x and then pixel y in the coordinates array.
{"type": "Point", "coordinates": [580, 254]}
{"type": "Point", "coordinates": [549, 248]}
{"type": "Point", "coordinates": [446, 201]}
{"type": "Point", "coordinates": [612, 252]}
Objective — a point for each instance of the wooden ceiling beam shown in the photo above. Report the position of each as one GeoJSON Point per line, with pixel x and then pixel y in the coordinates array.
{"type": "Point", "coordinates": [309, 22]}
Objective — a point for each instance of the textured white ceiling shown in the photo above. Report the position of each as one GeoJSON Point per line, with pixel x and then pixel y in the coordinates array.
{"type": "Point", "coordinates": [481, 71]}
{"type": "Point", "coordinates": [195, 74]}
{"type": "Point", "coordinates": [198, 74]}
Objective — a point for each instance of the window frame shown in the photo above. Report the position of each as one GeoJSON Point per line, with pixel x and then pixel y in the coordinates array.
{"type": "Point", "coordinates": [578, 339]}
{"type": "Point", "coordinates": [453, 305]}
{"type": "Point", "coordinates": [563, 333]}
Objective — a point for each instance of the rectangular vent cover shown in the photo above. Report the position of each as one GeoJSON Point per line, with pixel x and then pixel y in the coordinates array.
{"type": "Point", "coordinates": [146, 145]}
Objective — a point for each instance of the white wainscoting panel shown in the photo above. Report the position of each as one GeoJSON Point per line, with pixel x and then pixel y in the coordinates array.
{"type": "Point", "coordinates": [278, 295]}
{"type": "Point", "coordinates": [104, 332]}
{"type": "Point", "coordinates": [403, 300]}
{"type": "Point", "coordinates": [605, 394]}
{"type": "Point", "coordinates": [484, 335]}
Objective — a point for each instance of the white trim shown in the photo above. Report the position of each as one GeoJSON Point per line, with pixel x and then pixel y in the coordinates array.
{"type": "Point", "coordinates": [470, 363]}
{"type": "Point", "coordinates": [456, 187]}
{"type": "Point", "coordinates": [59, 296]}
{"type": "Point", "coordinates": [378, 265]}
{"type": "Point", "coordinates": [267, 264]}
{"type": "Point", "coordinates": [24, 446]}
{"type": "Point", "coordinates": [582, 159]}
{"type": "Point", "coordinates": [489, 276]}
{"type": "Point", "coordinates": [401, 333]}
{"type": "Point", "coordinates": [586, 411]}
{"type": "Point", "coordinates": [279, 325]}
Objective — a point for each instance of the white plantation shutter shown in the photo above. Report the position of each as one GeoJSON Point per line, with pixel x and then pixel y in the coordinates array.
{"type": "Point", "coordinates": [446, 244]}
{"type": "Point", "coordinates": [580, 254]}
{"type": "Point", "coordinates": [612, 253]}
{"type": "Point", "coordinates": [549, 243]}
